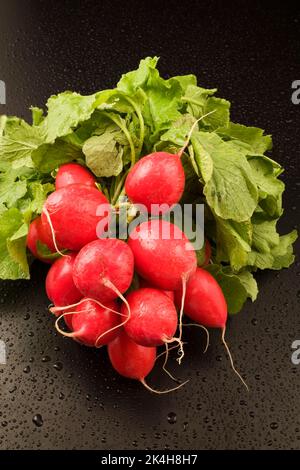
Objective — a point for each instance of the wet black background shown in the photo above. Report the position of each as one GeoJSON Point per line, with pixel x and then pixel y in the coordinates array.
{"type": "Point", "coordinates": [251, 52]}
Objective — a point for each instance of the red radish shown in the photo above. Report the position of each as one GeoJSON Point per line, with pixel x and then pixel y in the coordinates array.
{"type": "Point", "coordinates": [60, 286]}
{"type": "Point", "coordinates": [163, 255]}
{"type": "Point", "coordinates": [169, 293]}
{"type": "Point", "coordinates": [153, 317]}
{"type": "Point", "coordinates": [133, 361]}
{"type": "Point", "coordinates": [71, 213]}
{"type": "Point", "coordinates": [91, 321]}
{"type": "Point", "coordinates": [73, 173]}
{"type": "Point", "coordinates": [156, 179]}
{"type": "Point", "coordinates": [103, 269]}
{"type": "Point", "coordinates": [204, 301]}
{"type": "Point", "coordinates": [35, 234]}
{"type": "Point", "coordinates": [206, 305]}
{"type": "Point", "coordinates": [130, 359]}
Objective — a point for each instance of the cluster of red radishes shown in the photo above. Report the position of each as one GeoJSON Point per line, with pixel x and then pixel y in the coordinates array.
{"type": "Point", "coordinates": [90, 285]}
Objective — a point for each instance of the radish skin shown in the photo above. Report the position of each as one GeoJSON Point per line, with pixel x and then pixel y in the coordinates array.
{"type": "Point", "coordinates": [162, 262]}
{"type": "Point", "coordinates": [73, 173]}
{"type": "Point", "coordinates": [90, 321]}
{"type": "Point", "coordinates": [204, 301]}
{"type": "Point", "coordinates": [102, 264]}
{"type": "Point", "coordinates": [129, 359]}
{"type": "Point", "coordinates": [143, 184]}
{"type": "Point", "coordinates": [72, 212]}
{"type": "Point", "coordinates": [60, 286]}
{"type": "Point", "coordinates": [169, 293]}
{"type": "Point", "coordinates": [153, 318]}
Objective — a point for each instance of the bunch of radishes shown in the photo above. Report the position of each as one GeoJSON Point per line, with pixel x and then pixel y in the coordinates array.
{"type": "Point", "coordinates": [90, 284]}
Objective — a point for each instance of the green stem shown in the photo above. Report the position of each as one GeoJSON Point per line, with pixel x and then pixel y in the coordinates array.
{"type": "Point", "coordinates": [141, 121]}
{"type": "Point", "coordinates": [119, 189]}
{"type": "Point", "coordinates": [127, 134]}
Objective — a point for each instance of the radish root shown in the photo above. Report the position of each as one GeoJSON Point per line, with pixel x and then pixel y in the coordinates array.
{"type": "Point", "coordinates": [73, 334]}
{"type": "Point", "coordinates": [59, 309]}
{"type": "Point", "coordinates": [166, 353]}
{"type": "Point", "coordinates": [53, 233]}
{"type": "Point", "coordinates": [181, 350]}
{"type": "Point", "coordinates": [111, 286]}
{"type": "Point", "coordinates": [203, 328]}
{"type": "Point", "coordinates": [161, 392]}
{"type": "Point", "coordinates": [231, 360]}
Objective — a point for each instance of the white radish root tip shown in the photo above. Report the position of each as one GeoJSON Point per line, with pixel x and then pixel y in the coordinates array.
{"type": "Point", "coordinates": [162, 392]}
{"type": "Point", "coordinates": [111, 286]}
{"type": "Point", "coordinates": [231, 360]}
{"type": "Point", "coordinates": [203, 328]}
{"type": "Point", "coordinates": [166, 353]}
{"type": "Point", "coordinates": [64, 333]}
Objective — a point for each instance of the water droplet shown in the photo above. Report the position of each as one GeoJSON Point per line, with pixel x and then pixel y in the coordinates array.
{"type": "Point", "coordinates": [38, 420]}
{"type": "Point", "coordinates": [46, 359]}
{"type": "Point", "coordinates": [172, 417]}
{"type": "Point", "coordinates": [274, 426]}
{"type": "Point", "coordinates": [254, 321]}
{"type": "Point", "coordinates": [58, 365]}
{"type": "Point", "coordinates": [26, 369]}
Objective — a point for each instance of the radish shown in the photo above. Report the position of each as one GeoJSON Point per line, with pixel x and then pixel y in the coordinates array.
{"type": "Point", "coordinates": [206, 305]}
{"type": "Point", "coordinates": [169, 293]}
{"type": "Point", "coordinates": [73, 173]}
{"type": "Point", "coordinates": [93, 324]}
{"type": "Point", "coordinates": [37, 233]}
{"type": "Point", "coordinates": [71, 213]}
{"type": "Point", "coordinates": [133, 361]}
{"type": "Point", "coordinates": [60, 286]}
{"type": "Point", "coordinates": [103, 270]}
{"type": "Point", "coordinates": [156, 179]}
{"type": "Point", "coordinates": [153, 319]}
{"type": "Point", "coordinates": [165, 257]}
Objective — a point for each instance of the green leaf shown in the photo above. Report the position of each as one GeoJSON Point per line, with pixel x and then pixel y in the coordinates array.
{"type": "Point", "coordinates": [283, 255]}
{"type": "Point", "coordinates": [48, 157]}
{"type": "Point", "coordinates": [18, 140]}
{"type": "Point", "coordinates": [236, 287]}
{"type": "Point", "coordinates": [131, 81]}
{"type": "Point", "coordinates": [270, 187]}
{"type": "Point", "coordinates": [229, 188]}
{"type": "Point", "coordinates": [200, 102]}
{"type": "Point", "coordinates": [178, 131]}
{"type": "Point", "coordinates": [37, 115]}
{"type": "Point", "coordinates": [13, 260]}
{"type": "Point", "coordinates": [163, 102]}
{"type": "Point", "coordinates": [269, 250]}
{"type": "Point", "coordinates": [103, 155]}
{"type": "Point", "coordinates": [65, 112]}
{"type": "Point", "coordinates": [254, 137]}
{"type": "Point", "coordinates": [233, 242]}
{"type": "Point", "coordinates": [38, 193]}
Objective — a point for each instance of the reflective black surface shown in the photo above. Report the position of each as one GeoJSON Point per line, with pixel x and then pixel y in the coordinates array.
{"type": "Point", "coordinates": [56, 394]}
